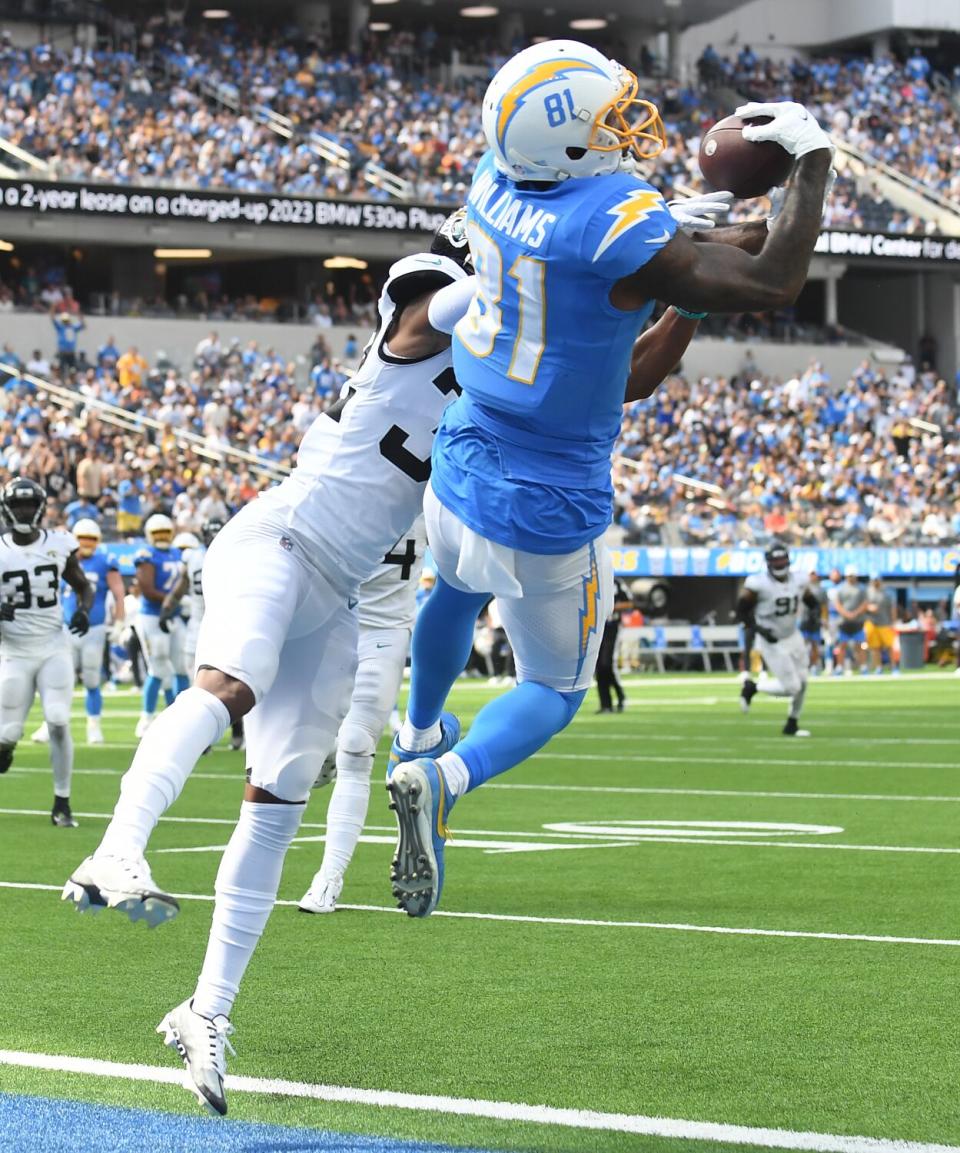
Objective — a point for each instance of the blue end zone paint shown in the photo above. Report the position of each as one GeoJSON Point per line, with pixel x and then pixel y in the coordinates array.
{"type": "Point", "coordinates": [39, 1125]}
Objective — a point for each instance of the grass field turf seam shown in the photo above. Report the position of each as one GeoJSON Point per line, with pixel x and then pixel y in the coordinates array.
{"type": "Point", "coordinates": [836, 1038]}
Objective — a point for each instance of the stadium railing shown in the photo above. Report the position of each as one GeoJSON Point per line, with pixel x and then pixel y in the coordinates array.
{"type": "Point", "coordinates": [69, 398]}
{"type": "Point", "coordinates": [637, 645]}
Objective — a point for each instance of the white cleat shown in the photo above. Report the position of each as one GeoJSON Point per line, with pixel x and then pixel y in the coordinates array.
{"type": "Point", "coordinates": [120, 883]}
{"type": "Point", "coordinates": [41, 736]}
{"type": "Point", "coordinates": [322, 895]}
{"type": "Point", "coordinates": [200, 1042]}
{"type": "Point", "coordinates": [94, 732]}
{"type": "Point", "coordinates": [146, 720]}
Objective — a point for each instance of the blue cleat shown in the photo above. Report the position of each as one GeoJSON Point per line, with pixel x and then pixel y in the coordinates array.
{"type": "Point", "coordinates": [450, 730]}
{"type": "Point", "coordinates": [422, 802]}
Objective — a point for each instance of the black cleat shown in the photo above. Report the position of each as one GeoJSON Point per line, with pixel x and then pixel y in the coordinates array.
{"type": "Point", "coordinates": [6, 757]}
{"type": "Point", "coordinates": [61, 815]}
{"type": "Point", "coordinates": [792, 729]}
{"type": "Point", "coordinates": [748, 690]}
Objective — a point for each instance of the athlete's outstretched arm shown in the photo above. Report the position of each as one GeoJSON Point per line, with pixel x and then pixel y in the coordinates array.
{"type": "Point", "coordinates": [115, 585]}
{"type": "Point", "coordinates": [657, 352]}
{"type": "Point", "coordinates": [750, 235]}
{"type": "Point", "coordinates": [722, 278]}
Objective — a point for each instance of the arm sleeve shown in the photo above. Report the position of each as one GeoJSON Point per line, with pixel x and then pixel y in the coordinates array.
{"type": "Point", "coordinates": [450, 303]}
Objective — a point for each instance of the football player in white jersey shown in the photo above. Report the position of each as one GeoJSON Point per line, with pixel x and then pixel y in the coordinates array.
{"type": "Point", "coordinates": [386, 613]}
{"type": "Point", "coordinates": [279, 632]}
{"type": "Point", "coordinates": [769, 605]}
{"type": "Point", "coordinates": [35, 652]}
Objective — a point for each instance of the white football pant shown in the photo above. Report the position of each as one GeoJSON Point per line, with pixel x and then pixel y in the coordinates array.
{"type": "Point", "coordinates": [552, 607]}
{"type": "Point", "coordinates": [88, 655]}
{"type": "Point", "coordinates": [164, 653]}
{"type": "Point", "coordinates": [787, 662]}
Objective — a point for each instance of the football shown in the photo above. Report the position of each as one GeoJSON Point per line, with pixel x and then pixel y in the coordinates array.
{"type": "Point", "coordinates": [747, 169]}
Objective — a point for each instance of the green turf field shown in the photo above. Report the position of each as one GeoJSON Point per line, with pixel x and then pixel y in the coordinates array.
{"type": "Point", "coordinates": [597, 970]}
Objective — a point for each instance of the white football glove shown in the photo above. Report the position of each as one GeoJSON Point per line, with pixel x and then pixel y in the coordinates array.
{"type": "Point", "coordinates": [698, 213]}
{"type": "Point", "coordinates": [776, 197]}
{"type": "Point", "coordinates": [792, 127]}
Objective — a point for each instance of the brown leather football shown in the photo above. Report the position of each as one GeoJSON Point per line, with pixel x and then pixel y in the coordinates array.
{"type": "Point", "coordinates": [747, 169]}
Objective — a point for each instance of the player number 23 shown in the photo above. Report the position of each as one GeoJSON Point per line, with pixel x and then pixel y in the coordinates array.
{"type": "Point", "coordinates": [479, 329]}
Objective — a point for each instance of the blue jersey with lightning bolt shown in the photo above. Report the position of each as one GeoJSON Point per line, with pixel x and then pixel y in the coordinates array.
{"type": "Point", "coordinates": [167, 567]}
{"type": "Point", "coordinates": [523, 455]}
{"type": "Point", "coordinates": [96, 568]}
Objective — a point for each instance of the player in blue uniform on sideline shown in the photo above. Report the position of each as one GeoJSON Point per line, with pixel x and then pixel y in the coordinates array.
{"type": "Point", "coordinates": [571, 249]}
{"type": "Point", "coordinates": [103, 575]}
{"type": "Point", "coordinates": [159, 566]}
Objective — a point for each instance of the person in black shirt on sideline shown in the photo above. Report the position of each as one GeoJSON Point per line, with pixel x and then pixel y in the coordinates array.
{"type": "Point", "coordinates": [607, 678]}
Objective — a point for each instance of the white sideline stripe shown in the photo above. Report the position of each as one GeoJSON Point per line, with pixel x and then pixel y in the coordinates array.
{"type": "Point", "coordinates": [586, 923]}
{"type": "Point", "coordinates": [495, 1110]}
{"type": "Point", "coordinates": [707, 759]}
{"type": "Point", "coordinates": [631, 838]}
{"type": "Point", "coordinates": [642, 790]}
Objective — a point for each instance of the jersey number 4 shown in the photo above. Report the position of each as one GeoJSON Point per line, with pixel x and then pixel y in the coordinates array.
{"type": "Point", "coordinates": [479, 329]}
{"type": "Point", "coordinates": [20, 595]}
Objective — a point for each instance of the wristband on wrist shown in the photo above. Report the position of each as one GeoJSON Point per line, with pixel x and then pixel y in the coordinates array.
{"type": "Point", "coordinates": [686, 314]}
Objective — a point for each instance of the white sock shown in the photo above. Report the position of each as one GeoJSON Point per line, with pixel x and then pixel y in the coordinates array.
{"type": "Point", "coordinates": [164, 759]}
{"type": "Point", "coordinates": [347, 810]}
{"type": "Point", "coordinates": [61, 758]}
{"type": "Point", "coordinates": [246, 889]}
{"type": "Point", "coordinates": [455, 773]}
{"type": "Point", "coordinates": [415, 740]}
{"type": "Point", "coordinates": [796, 702]}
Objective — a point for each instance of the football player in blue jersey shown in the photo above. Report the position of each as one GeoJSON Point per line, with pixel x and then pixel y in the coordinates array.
{"type": "Point", "coordinates": [103, 573]}
{"type": "Point", "coordinates": [104, 577]}
{"type": "Point", "coordinates": [159, 566]}
{"type": "Point", "coordinates": [571, 250]}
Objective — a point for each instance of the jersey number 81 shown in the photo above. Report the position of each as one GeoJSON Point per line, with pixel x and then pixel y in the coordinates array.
{"type": "Point", "coordinates": [479, 329]}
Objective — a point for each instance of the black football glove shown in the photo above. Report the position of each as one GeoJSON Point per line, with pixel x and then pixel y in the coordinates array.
{"type": "Point", "coordinates": [768, 635]}
{"type": "Point", "coordinates": [164, 623]}
{"type": "Point", "coordinates": [79, 623]}
{"type": "Point", "coordinates": [6, 611]}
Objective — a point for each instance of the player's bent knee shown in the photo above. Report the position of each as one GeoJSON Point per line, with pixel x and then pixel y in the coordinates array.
{"type": "Point", "coordinates": [356, 740]}
{"type": "Point", "coordinates": [572, 701]}
{"type": "Point", "coordinates": [238, 697]}
{"type": "Point", "coordinates": [58, 730]}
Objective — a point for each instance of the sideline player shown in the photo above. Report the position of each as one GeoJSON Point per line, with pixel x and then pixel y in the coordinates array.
{"type": "Point", "coordinates": [279, 632]}
{"type": "Point", "coordinates": [881, 616]}
{"type": "Point", "coordinates": [571, 250]}
{"type": "Point", "coordinates": [35, 654]}
{"type": "Point", "coordinates": [851, 605]}
{"type": "Point", "coordinates": [385, 613]}
{"type": "Point", "coordinates": [813, 620]}
{"type": "Point", "coordinates": [769, 605]}
{"type": "Point", "coordinates": [158, 567]}
{"type": "Point", "coordinates": [103, 573]}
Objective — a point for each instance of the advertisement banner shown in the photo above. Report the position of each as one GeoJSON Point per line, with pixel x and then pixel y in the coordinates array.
{"type": "Point", "coordinates": [740, 562]}
{"type": "Point", "coordinates": [53, 199]}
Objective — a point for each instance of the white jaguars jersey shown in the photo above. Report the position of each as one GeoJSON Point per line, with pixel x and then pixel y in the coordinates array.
{"type": "Point", "coordinates": [192, 601]}
{"type": "Point", "coordinates": [363, 466]}
{"type": "Point", "coordinates": [778, 602]}
{"type": "Point", "coordinates": [30, 578]}
{"type": "Point", "coordinates": [388, 598]}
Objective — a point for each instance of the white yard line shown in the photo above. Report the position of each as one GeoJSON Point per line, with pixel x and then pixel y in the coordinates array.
{"type": "Point", "coordinates": [583, 922]}
{"type": "Point", "coordinates": [709, 759]}
{"type": "Point", "coordinates": [641, 790]}
{"type": "Point", "coordinates": [510, 1111]}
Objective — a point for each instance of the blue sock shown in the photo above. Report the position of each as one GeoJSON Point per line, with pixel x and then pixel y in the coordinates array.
{"type": "Point", "coordinates": [513, 727]}
{"type": "Point", "coordinates": [180, 682]}
{"type": "Point", "coordinates": [151, 693]}
{"type": "Point", "coordinates": [170, 695]}
{"type": "Point", "coordinates": [94, 702]}
{"type": "Point", "coordinates": [442, 642]}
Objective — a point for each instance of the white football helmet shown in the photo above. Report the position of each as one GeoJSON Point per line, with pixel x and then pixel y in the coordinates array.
{"type": "Point", "coordinates": [562, 109]}
{"type": "Point", "coordinates": [185, 540]}
{"type": "Point", "coordinates": [88, 535]}
{"type": "Point", "coordinates": [159, 530]}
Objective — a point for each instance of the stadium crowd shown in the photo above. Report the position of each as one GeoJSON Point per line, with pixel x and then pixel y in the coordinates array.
{"type": "Point", "coordinates": [186, 107]}
{"type": "Point", "coordinates": [868, 460]}
{"type": "Point", "coordinates": [809, 460]}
